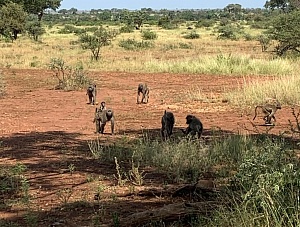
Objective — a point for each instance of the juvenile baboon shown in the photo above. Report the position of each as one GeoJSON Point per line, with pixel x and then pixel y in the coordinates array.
{"type": "Point", "coordinates": [269, 109]}
{"type": "Point", "coordinates": [91, 91]}
{"type": "Point", "coordinates": [102, 117]}
{"type": "Point", "coordinates": [195, 126]}
{"type": "Point", "coordinates": [102, 106]}
{"type": "Point", "coordinates": [167, 124]}
{"type": "Point", "coordinates": [143, 88]}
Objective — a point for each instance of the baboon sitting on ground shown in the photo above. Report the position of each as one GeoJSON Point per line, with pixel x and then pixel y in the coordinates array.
{"type": "Point", "coordinates": [142, 88]}
{"type": "Point", "coordinates": [167, 124]}
{"type": "Point", "coordinates": [195, 126]}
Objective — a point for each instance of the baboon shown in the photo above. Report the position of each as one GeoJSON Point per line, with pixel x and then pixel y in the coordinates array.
{"type": "Point", "coordinates": [269, 108]}
{"type": "Point", "coordinates": [102, 117]}
{"type": "Point", "coordinates": [195, 126]}
{"type": "Point", "coordinates": [143, 88]}
{"type": "Point", "coordinates": [102, 106]}
{"type": "Point", "coordinates": [167, 124]}
{"type": "Point", "coordinates": [91, 91]}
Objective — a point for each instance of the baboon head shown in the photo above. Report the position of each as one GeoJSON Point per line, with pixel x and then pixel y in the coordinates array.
{"type": "Point", "coordinates": [140, 87]}
{"type": "Point", "coordinates": [189, 118]}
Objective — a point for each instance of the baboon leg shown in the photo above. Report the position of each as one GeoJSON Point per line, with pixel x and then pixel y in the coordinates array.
{"type": "Point", "coordinates": [95, 94]}
{"type": "Point", "coordinates": [97, 123]}
{"type": "Point", "coordinates": [102, 126]}
{"type": "Point", "coordinates": [112, 121]}
{"type": "Point", "coordinates": [270, 116]}
{"type": "Point", "coordinates": [137, 98]}
{"type": "Point", "coordinates": [147, 96]}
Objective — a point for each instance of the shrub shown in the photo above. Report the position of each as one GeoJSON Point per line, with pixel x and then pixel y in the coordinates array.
{"type": "Point", "coordinates": [69, 78]}
{"type": "Point", "coordinates": [192, 35]}
{"type": "Point", "coordinates": [126, 29]}
{"type": "Point", "coordinates": [132, 44]}
{"type": "Point", "coordinates": [229, 31]}
{"type": "Point", "coordinates": [149, 35]}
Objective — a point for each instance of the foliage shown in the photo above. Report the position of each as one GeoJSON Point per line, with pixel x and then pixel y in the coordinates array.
{"type": "Point", "coordinates": [126, 29]}
{"type": "Point", "coordinates": [132, 44]}
{"type": "Point", "coordinates": [264, 41]}
{"type": "Point", "coordinates": [284, 5]}
{"type": "Point", "coordinates": [229, 31]}
{"type": "Point", "coordinates": [35, 7]}
{"type": "Point", "coordinates": [35, 30]}
{"type": "Point", "coordinates": [67, 29]}
{"type": "Point", "coordinates": [95, 42]}
{"type": "Point", "coordinates": [148, 35]}
{"type": "Point", "coordinates": [69, 78]}
{"type": "Point", "coordinates": [12, 20]}
{"type": "Point", "coordinates": [205, 23]}
{"type": "Point", "coordinates": [285, 31]}
{"type": "Point", "coordinates": [13, 182]}
{"type": "Point", "coordinates": [192, 35]}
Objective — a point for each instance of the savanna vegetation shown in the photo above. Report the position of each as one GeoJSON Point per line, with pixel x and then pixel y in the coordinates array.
{"type": "Point", "coordinates": [255, 175]}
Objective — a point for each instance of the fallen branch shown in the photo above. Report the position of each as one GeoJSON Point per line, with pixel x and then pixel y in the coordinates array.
{"type": "Point", "coordinates": [169, 213]}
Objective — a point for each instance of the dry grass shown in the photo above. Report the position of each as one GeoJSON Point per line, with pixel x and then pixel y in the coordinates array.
{"type": "Point", "coordinates": [24, 53]}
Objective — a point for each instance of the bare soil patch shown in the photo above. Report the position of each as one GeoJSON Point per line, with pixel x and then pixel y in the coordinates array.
{"type": "Point", "coordinates": [47, 130]}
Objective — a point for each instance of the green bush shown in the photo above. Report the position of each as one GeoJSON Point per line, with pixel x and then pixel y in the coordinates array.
{"type": "Point", "coordinates": [229, 31]}
{"type": "Point", "coordinates": [192, 35]}
{"type": "Point", "coordinates": [148, 35]}
{"type": "Point", "coordinates": [69, 78]}
{"type": "Point", "coordinates": [126, 29]}
{"type": "Point", "coordinates": [132, 44]}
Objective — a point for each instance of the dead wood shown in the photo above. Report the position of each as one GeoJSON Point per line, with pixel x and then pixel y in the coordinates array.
{"type": "Point", "coordinates": [169, 213]}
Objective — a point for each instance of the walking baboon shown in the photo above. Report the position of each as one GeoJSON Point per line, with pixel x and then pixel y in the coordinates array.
{"type": "Point", "coordinates": [167, 124]}
{"type": "Point", "coordinates": [91, 91]}
{"type": "Point", "coordinates": [269, 109]}
{"type": "Point", "coordinates": [143, 88]}
{"type": "Point", "coordinates": [195, 126]}
{"type": "Point", "coordinates": [102, 117]}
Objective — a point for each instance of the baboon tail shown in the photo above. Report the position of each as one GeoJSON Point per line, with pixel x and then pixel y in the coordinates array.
{"type": "Point", "coordinates": [255, 113]}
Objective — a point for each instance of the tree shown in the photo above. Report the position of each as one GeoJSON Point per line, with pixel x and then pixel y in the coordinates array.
{"type": "Point", "coordinates": [284, 5]}
{"type": "Point", "coordinates": [34, 6]}
{"type": "Point", "coordinates": [95, 42]}
{"type": "Point", "coordinates": [285, 30]}
{"type": "Point", "coordinates": [12, 20]}
{"type": "Point", "coordinates": [35, 30]}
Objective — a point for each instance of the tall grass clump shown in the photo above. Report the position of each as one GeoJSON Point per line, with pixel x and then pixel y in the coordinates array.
{"type": "Point", "coordinates": [223, 65]}
{"type": "Point", "coordinates": [268, 183]}
{"type": "Point", "coordinates": [285, 89]}
{"type": "Point", "coordinates": [2, 85]}
{"type": "Point", "coordinates": [149, 35]}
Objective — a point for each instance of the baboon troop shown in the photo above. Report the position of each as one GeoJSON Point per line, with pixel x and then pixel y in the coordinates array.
{"type": "Point", "coordinates": [102, 116]}
{"type": "Point", "coordinates": [195, 126]}
{"type": "Point", "coordinates": [91, 92]}
{"type": "Point", "coordinates": [142, 88]}
{"type": "Point", "coordinates": [167, 124]}
{"type": "Point", "coordinates": [269, 108]}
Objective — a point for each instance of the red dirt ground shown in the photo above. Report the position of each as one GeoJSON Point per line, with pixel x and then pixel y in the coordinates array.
{"type": "Point", "coordinates": [47, 130]}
